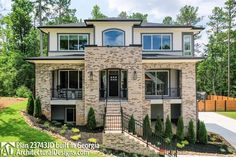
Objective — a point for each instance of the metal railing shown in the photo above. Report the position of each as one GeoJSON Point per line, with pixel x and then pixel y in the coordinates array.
{"type": "Point", "coordinates": [67, 94]}
{"type": "Point", "coordinates": [173, 93]}
{"type": "Point", "coordinates": [103, 93]}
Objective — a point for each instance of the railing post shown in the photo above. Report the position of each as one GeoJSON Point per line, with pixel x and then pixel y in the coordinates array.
{"type": "Point", "coordinates": [122, 120]}
{"type": "Point", "coordinates": [66, 94]}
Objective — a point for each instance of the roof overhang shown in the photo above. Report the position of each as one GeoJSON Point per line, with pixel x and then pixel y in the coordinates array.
{"type": "Point", "coordinates": [56, 60]}
{"type": "Point", "coordinates": [92, 21]}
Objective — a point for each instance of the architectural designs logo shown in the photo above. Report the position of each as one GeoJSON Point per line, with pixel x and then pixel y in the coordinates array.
{"type": "Point", "coordinates": [7, 148]}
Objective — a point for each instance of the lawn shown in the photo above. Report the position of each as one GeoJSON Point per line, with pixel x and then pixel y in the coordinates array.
{"type": "Point", "coordinates": [13, 128]}
{"type": "Point", "coordinates": [228, 114]}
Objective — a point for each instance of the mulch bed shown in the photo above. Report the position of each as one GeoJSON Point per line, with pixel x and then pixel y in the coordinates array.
{"type": "Point", "coordinates": [7, 101]}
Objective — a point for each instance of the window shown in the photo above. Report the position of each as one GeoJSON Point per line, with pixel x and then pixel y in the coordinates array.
{"type": "Point", "coordinates": [113, 37]}
{"type": "Point", "coordinates": [156, 42]}
{"type": "Point", "coordinates": [157, 82]}
{"type": "Point", "coordinates": [72, 42]}
{"type": "Point", "coordinates": [187, 44]}
{"type": "Point", "coordinates": [70, 79]}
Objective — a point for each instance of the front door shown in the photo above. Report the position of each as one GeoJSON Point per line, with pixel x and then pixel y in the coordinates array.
{"type": "Point", "coordinates": [70, 115]}
{"type": "Point", "coordinates": [113, 83]}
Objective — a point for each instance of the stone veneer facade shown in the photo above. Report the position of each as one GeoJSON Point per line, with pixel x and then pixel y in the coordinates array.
{"type": "Point", "coordinates": [127, 58]}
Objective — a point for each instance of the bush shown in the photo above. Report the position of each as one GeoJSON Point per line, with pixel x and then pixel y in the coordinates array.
{"type": "Point", "coordinates": [202, 133]}
{"type": "Point", "coordinates": [185, 142]}
{"type": "Point", "coordinates": [91, 123]}
{"type": "Point", "coordinates": [131, 127]}
{"type": "Point", "coordinates": [191, 133]}
{"type": "Point", "coordinates": [37, 108]}
{"type": "Point", "coordinates": [92, 140]}
{"type": "Point", "coordinates": [159, 126]}
{"type": "Point", "coordinates": [75, 137]}
{"type": "Point", "coordinates": [180, 129]}
{"type": "Point", "coordinates": [30, 105]}
{"type": "Point", "coordinates": [62, 132]}
{"type": "Point", "coordinates": [23, 92]}
{"type": "Point", "coordinates": [180, 145]}
{"type": "Point", "coordinates": [146, 127]}
{"type": "Point", "coordinates": [64, 127]}
{"type": "Point", "coordinates": [168, 129]}
{"type": "Point", "coordinates": [75, 130]}
{"type": "Point", "coordinates": [46, 124]}
{"type": "Point", "coordinates": [56, 123]}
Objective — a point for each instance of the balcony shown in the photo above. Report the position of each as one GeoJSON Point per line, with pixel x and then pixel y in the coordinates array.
{"type": "Point", "coordinates": [66, 94]}
{"type": "Point", "coordinates": [169, 93]}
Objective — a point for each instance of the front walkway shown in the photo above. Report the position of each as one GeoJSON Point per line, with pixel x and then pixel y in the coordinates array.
{"type": "Point", "coordinates": [224, 126]}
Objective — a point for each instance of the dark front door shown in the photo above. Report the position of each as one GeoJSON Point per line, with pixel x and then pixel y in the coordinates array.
{"type": "Point", "coordinates": [113, 83]}
{"type": "Point", "coordinates": [70, 114]}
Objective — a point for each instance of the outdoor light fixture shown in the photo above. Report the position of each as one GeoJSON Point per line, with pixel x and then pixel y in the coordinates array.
{"type": "Point", "coordinates": [135, 75]}
{"type": "Point", "coordinates": [91, 76]}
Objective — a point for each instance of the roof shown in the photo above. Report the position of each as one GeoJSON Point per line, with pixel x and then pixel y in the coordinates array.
{"type": "Point", "coordinates": [63, 57]}
{"type": "Point", "coordinates": [68, 25]}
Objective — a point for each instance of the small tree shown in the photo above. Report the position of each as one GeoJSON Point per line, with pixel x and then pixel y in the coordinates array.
{"type": "Point", "coordinates": [202, 133]}
{"type": "Point", "coordinates": [37, 108]}
{"type": "Point", "coordinates": [191, 133]}
{"type": "Point", "coordinates": [91, 122]}
{"type": "Point", "coordinates": [30, 105]}
{"type": "Point", "coordinates": [168, 128]}
{"type": "Point", "coordinates": [180, 129]}
{"type": "Point", "coordinates": [131, 127]}
{"type": "Point", "coordinates": [159, 126]}
{"type": "Point", "coordinates": [146, 127]}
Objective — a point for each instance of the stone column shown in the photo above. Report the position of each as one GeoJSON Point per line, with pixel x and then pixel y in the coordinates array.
{"type": "Point", "coordinates": [166, 109]}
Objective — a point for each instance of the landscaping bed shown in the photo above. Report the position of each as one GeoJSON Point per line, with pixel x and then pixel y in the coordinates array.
{"type": "Point", "coordinates": [7, 101]}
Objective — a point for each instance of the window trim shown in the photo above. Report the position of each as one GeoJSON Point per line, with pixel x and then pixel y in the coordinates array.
{"type": "Point", "coordinates": [156, 50]}
{"type": "Point", "coordinates": [58, 41]}
{"type": "Point", "coordinates": [191, 44]}
{"type": "Point", "coordinates": [68, 83]}
{"type": "Point", "coordinates": [168, 72]}
{"type": "Point", "coordinates": [110, 29]}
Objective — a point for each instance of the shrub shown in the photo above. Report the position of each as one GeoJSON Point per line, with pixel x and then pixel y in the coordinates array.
{"type": "Point", "coordinates": [92, 140]}
{"type": "Point", "coordinates": [56, 123]}
{"type": "Point", "coordinates": [23, 92]}
{"type": "Point", "coordinates": [75, 130]}
{"type": "Point", "coordinates": [64, 127]}
{"type": "Point", "coordinates": [180, 145]}
{"type": "Point", "coordinates": [168, 129]}
{"type": "Point", "coordinates": [202, 133]}
{"type": "Point", "coordinates": [191, 133]}
{"type": "Point", "coordinates": [37, 108]}
{"type": "Point", "coordinates": [131, 127]}
{"type": "Point", "coordinates": [185, 142]}
{"type": "Point", "coordinates": [180, 129]}
{"type": "Point", "coordinates": [91, 123]}
{"type": "Point", "coordinates": [146, 127]}
{"type": "Point", "coordinates": [62, 132]}
{"type": "Point", "coordinates": [159, 126]}
{"type": "Point", "coordinates": [134, 155]}
{"type": "Point", "coordinates": [46, 124]}
{"type": "Point", "coordinates": [75, 137]}
{"type": "Point", "coordinates": [52, 128]}
{"type": "Point", "coordinates": [167, 140]}
{"type": "Point", "coordinates": [30, 105]}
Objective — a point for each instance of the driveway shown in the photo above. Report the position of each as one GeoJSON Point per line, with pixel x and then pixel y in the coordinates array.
{"type": "Point", "coordinates": [224, 126]}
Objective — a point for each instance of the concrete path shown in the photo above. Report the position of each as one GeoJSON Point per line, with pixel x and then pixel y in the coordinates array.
{"type": "Point", "coordinates": [224, 126]}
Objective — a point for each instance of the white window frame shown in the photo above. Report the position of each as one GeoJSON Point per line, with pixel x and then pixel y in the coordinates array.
{"type": "Point", "coordinates": [168, 72]}
{"type": "Point", "coordinates": [113, 29]}
{"type": "Point", "coordinates": [78, 35]}
{"type": "Point", "coordinates": [68, 83]}
{"type": "Point", "coordinates": [74, 112]}
{"type": "Point", "coordinates": [161, 34]}
{"type": "Point", "coordinates": [187, 52]}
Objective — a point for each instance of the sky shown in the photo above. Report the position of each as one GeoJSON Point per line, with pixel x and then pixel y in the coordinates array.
{"type": "Point", "coordinates": [156, 9]}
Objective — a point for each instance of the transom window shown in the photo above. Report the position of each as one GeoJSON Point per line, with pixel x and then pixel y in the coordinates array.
{"type": "Point", "coordinates": [72, 42]}
{"type": "Point", "coordinates": [156, 42]}
{"type": "Point", "coordinates": [70, 79]}
{"type": "Point", "coordinates": [187, 44]}
{"type": "Point", "coordinates": [113, 37]}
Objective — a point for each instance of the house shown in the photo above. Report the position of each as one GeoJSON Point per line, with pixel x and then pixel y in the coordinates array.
{"type": "Point", "coordinates": [145, 68]}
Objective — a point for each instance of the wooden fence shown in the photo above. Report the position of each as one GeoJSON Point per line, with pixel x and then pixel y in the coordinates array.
{"type": "Point", "coordinates": [217, 103]}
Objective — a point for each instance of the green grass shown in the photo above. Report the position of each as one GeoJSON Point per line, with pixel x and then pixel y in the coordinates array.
{"type": "Point", "coordinates": [13, 128]}
{"type": "Point", "coordinates": [228, 114]}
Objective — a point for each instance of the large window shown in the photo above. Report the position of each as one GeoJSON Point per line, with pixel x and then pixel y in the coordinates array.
{"type": "Point", "coordinates": [70, 79]}
{"type": "Point", "coordinates": [187, 44]}
{"type": "Point", "coordinates": [157, 82]}
{"type": "Point", "coordinates": [72, 42]}
{"type": "Point", "coordinates": [156, 42]}
{"type": "Point", "coordinates": [113, 37]}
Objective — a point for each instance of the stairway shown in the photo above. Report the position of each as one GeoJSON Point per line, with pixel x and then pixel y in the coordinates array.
{"type": "Point", "coordinates": [113, 118]}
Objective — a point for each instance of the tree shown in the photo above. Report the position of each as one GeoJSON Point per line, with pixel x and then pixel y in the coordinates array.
{"type": "Point", "coordinates": [146, 127]}
{"type": "Point", "coordinates": [37, 108]}
{"type": "Point", "coordinates": [96, 13]}
{"type": "Point", "coordinates": [30, 105]}
{"type": "Point", "coordinates": [91, 121]}
{"type": "Point", "coordinates": [191, 133]}
{"type": "Point", "coordinates": [202, 133]}
{"type": "Point", "coordinates": [180, 129]}
{"type": "Point", "coordinates": [131, 126]}
{"type": "Point", "coordinates": [168, 20]}
{"type": "Point", "coordinates": [139, 16]}
{"type": "Point", "coordinates": [159, 126]}
{"type": "Point", "coordinates": [168, 128]}
{"type": "Point", "coordinates": [188, 16]}
{"type": "Point", "coordinates": [123, 15]}
{"type": "Point", "coordinates": [216, 22]}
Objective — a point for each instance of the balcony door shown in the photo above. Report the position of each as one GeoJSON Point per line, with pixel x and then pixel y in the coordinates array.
{"type": "Point", "coordinates": [113, 83]}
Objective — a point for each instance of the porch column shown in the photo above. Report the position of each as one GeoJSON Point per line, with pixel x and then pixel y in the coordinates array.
{"type": "Point", "coordinates": [166, 109]}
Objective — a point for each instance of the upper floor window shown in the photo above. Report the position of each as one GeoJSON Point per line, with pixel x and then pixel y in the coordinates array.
{"type": "Point", "coordinates": [113, 37]}
{"type": "Point", "coordinates": [70, 79]}
{"type": "Point", "coordinates": [72, 42]}
{"type": "Point", "coordinates": [187, 44]}
{"type": "Point", "coordinates": [156, 42]}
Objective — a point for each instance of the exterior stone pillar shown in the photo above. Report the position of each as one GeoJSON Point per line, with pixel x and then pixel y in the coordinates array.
{"type": "Point", "coordinates": [166, 109]}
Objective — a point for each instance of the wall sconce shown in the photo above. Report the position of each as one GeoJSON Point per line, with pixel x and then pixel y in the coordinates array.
{"type": "Point", "coordinates": [135, 75]}
{"type": "Point", "coordinates": [91, 76]}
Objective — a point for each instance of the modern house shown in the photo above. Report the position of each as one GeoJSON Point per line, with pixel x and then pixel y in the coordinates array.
{"type": "Point", "coordinates": [145, 68]}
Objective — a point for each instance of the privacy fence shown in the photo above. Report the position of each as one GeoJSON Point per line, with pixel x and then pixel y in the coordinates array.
{"type": "Point", "coordinates": [217, 103]}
